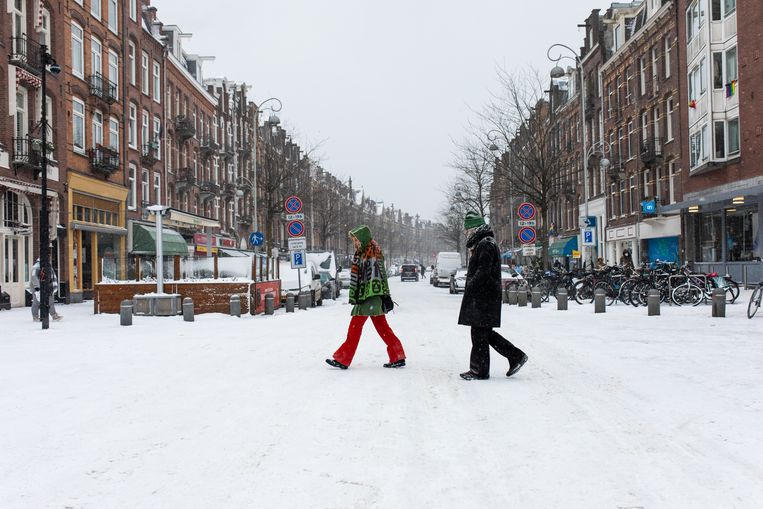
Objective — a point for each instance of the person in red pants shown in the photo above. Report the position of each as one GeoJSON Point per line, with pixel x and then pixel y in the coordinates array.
{"type": "Point", "coordinates": [369, 293]}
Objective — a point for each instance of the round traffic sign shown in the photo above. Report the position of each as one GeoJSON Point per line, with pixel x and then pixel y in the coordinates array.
{"type": "Point", "coordinates": [256, 238]}
{"type": "Point", "coordinates": [526, 211]}
{"type": "Point", "coordinates": [292, 204]}
{"type": "Point", "coordinates": [296, 228]}
{"type": "Point", "coordinates": [527, 235]}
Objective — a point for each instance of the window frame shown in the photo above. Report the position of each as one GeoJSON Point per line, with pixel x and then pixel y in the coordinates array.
{"type": "Point", "coordinates": [78, 41]}
{"type": "Point", "coordinates": [77, 116]}
{"type": "Point", "coordinates": [113, 13]}
{"type": "Point", "coordinates": [157, 82]}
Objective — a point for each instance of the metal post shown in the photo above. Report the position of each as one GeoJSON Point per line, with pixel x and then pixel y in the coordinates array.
{"type": "Point", "coordinates": [599, 301]}
{"type": "Point", "coordinates": [535, 298]}
{"type": "Point", "coordinates": [513, 300]}
{"type": "Point", "coordinates": [289, 302]}
{"type": "Point", "coordinates": [269, 304]}
{"type": "Point", "coordinates": [522, 297]}
{"type": "Point", "coordinates": [188, 309]}
{"type": "Point", "coordinates": [45, 266]}
{"type": "Point", "coordinates": [585, 155]}
{"type": "Point", "coordinates": [125, 313]}
{"type": "Point", "coordinates": [719, 303]}
{"type": "Point", "coordinates": [159, 254]}
{"type": "Point", "coordinates": [561, 299]}
{"type": "Point", "coordinates": [235, 305]}
{"type": "Point", "coordinates": [653, 302]}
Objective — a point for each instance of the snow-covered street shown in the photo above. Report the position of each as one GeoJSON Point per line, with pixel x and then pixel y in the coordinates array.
{"type": "Point", "coordinates": [614, 410]}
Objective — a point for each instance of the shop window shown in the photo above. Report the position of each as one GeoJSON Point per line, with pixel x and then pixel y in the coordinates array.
{"type": "Point", "coordinates": [741, 232]}
{"type": "Point", "coordinates": [708, 237]}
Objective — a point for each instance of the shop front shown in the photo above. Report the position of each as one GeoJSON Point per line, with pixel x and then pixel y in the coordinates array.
{"type": "Point", "coordinates": [18, 244]}
{"type": "Point", "coordinates": [660, 238]}
{"type": "Point", "coordinates": [620, 240]}
{"type": "Point", "coordinates": [96, 231]}
{"type": "Point", "coordinates": [208, 244]}
{"type": "Point", "coordinates": [563, 250]}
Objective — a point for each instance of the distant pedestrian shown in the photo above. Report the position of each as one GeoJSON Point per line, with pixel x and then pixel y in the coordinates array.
{"type": "Point", "coordinates": [369, 292]}
{"type": "Point", "coordinates": [481, 305]}
{"type": "Point", "coordinates": [423, 271]}
{"type": "Point", "coordinates": [34, 289]}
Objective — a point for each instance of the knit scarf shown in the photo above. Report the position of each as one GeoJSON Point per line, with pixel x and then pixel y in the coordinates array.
{"type": "Point", "coordinates": [368, 278]}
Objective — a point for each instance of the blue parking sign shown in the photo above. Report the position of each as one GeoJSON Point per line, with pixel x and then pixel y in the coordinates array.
{"type": "Point", "coordinates": [298, 259]}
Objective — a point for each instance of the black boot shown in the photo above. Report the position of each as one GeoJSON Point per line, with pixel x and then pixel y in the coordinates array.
{"type": "Point", "coordinates": [471, 375]}
{"type": "Point", "coordinates": [396, 364]}
{"type": "Point", "coordinates": [336, 364]}
{"type": "Point", "coordinates": [516, 365]}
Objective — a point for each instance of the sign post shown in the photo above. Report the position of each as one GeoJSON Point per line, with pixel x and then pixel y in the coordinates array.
{"type": "Point", "coordinates": [297, 240]}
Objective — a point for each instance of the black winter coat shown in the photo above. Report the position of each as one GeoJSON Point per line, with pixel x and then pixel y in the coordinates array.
{"type": "Point", "coordinates": [481, 305]}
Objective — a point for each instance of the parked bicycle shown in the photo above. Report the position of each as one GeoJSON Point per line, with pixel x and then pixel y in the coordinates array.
{"type": "Point", "coordinates": [755, 299]}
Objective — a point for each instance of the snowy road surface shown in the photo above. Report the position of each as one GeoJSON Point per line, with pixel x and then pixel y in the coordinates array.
{"type": "Point", "coordinates": [615, 410]}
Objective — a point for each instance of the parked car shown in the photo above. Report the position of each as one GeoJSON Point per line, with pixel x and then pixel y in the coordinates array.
{"type": "Point", "coordinates": [409, 272]}
{"type": "Point", "coordinates": [510, 278]}
{"type": "Point", "coordinates": [343, 276]}
{"type": "Point", "coordinates": [447, 262]}
{"type": "Point", "coordinates": [310, 278]}
{"type": "Point", "coordinates": [325, 261]}
{"type": "Point", "coordinates": [393, 270]}
{"type": "Point", "coordinates": [458, 281]}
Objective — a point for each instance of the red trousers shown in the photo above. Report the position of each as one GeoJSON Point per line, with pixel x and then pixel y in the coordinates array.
{"type": "Point", "coordinates": [347, 351]}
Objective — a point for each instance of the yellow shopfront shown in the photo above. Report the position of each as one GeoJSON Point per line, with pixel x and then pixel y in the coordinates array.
{"type": "Point", "coordinates": [96, 232]}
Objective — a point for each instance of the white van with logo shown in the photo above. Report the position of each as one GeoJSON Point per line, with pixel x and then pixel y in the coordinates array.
{"type": "Point", "coordinates": [447, 263]}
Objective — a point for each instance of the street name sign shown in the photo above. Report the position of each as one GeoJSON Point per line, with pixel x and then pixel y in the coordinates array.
{"type": "Point", "coordinates": [296, 243]}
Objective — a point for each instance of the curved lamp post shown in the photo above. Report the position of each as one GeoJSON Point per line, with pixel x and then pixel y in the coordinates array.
{"type": "Point", "coordinates": [273, 120]}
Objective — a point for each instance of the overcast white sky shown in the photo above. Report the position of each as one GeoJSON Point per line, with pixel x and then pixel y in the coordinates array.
{"type": "Point", "coordinates": [388, 84]}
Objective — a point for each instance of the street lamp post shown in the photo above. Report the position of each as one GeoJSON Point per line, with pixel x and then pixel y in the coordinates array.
{"type": "Point", "coordinates": [492, 137]}
{"type": "Point", "coordinates": [273, 120]}
{"type": "Point", "coordinates": [45, 266]}
{"type": "Point", "coordinates": [558, 72]}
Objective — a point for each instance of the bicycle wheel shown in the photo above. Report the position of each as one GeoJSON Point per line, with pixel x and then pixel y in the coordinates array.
{"type": "Point", "coordinates": [732, 291]}
{"type": "Point", "coordinates": [608, 290]}
{"type": "Point", "coordinates": [583, 292]}
{"type": "Point", "coordinates": [625, 291]}
{"type": "Point", "coordinates": [687, 294]}
{"type": "Point", "coordinates": [754, 304]}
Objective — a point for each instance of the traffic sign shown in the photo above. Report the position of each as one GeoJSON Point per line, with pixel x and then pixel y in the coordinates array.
{"type": "Point", "coordinates": [589, 236]}
{"type": "Point", "coordinates": [298, 259]}
{"type": "Point", "coordinates": [526, 211]}
{"type": "Point", "coordinates": [296, 228]}
{"type": "Point", "coordinates": [293, 204]}
{"type": "Point", "coordinates": [529, 222]}
{"type": "Point", "coordinates": [256, 238]}
{"type": "Point", "coordinates": [296, 243]}
{"type": "Point", "coordinates": [527, 235]}
{"type": "Point", "coordinates": [295, 217]}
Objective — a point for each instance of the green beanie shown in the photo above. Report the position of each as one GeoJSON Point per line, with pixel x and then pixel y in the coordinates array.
{"type": "Point", "coordinates": [363, 234]}
{"type": "Point", "coordinates": [473, 220]}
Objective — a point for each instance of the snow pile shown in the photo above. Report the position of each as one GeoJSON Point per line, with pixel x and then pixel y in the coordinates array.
{"type": "Point", "coordinates": [613, 410]}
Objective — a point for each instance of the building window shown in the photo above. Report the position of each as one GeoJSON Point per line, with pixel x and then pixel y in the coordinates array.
{"type": "Point", "coordinates": [628, 85]}
{"type": "Point", "coordinates": [113, 16]}
{"type": "Point", "coordinates": [134, 10]}
{"type": "Point", "coordinates": [720, 140]}
{"type": "Point", "coordinates": [96, 51]}
{"type": "Point", "coordinates": [97, 129]}
{"type": "Point", "coordinates": [131, 59]}
{"type": "Point", "coordinates": [157, 188]}
{"type": "Point", "coordinates": [144, 134]}
{"type": "Point", "coordinates": [113, 133]}
{"type": "Point", "coordinates": [644, 126]}
{"type": "Point", "coordinates": [630, 140]}
{"type": "Point", "coordinates": [78, 51]}
{"type": "Point", "coordinates": [666, 63]}
{"type": "Point", "coordinates": [132, 126]}
{"type": "Point", "coordinates": [78, 125]}
{"type": "Point", "coordinates": [45, 29]}
{"type": "Point", "coordinates": [114, 71]}
{"type": "Point", "coordinates": [144, 187]}
{"type": "Point", "coordinates": [131, 189]}
{"type": "Point", "coordinates": [157, 82]}
{"type": "Point", "coordinates": [695, 16]}
{"type": "Point", "coordinates": [733, 136]}
{"type": "Point", "coordinates": [731, 65]}
{"type": "Point", "coordinates": [669, 119]}
{"type": "Point", "coordinates": [95, 8]}
{"type": "Point", "coordinates": [672, 181]}
{"type": "Point", "coordinates": [633, 195]}
{"type": "Point", "coordinates": [722, 9]}
{"type": "Point", "coordinates": [717, 70]}
{"type": "Point", "coordinates": [741, 232]}
{"type": "Point", "coordinates": [642, 74]}
{"type": "Point", "coordinates": [157, 133]}
{"type": "Point", "coordinates": [144, 78]}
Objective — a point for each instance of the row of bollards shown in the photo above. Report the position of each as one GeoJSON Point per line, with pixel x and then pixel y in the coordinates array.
{"type": "Point", "coordinates": [126, 311]}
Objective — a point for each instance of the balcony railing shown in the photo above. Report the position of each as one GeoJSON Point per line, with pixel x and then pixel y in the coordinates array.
{"type": "Point", "coordinates": [208, 190]}
{"type": "Point", "coordinates": [208, 148]}
{"type": "Point", "coordinates": [102, 88]}
{"type": "Point", "coordinates": [149, 155]}
{"type": "Point", "coordinates": [185, 179]}
{"type": "Point", "coordinates": [103, 160]}
{"type": "Point", "coordinates": [25, 53]}
{"type": "Point", "coordinates": [26, 155]}
{"type": "Point", "coordinates": [229, 152]}
{"type": "Point", "coordinates": [229, 189]}
{"type": "Point", "coordinates": [184, 128]}
{"type": "Point", "coordinates": [651, 151]}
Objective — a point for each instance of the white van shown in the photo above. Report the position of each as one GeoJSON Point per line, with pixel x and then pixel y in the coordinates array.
{"type": "Point", "coordinates": [447, 262]}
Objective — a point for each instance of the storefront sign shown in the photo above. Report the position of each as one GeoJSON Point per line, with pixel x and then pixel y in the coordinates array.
{"type": "Point", "coordinates": [576, 254]}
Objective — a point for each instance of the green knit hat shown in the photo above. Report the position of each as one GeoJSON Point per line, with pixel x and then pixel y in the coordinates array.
{"type": "Point", "coordinates": [473, 220]}
{"type": "Point", "coordinates": [363, 234]}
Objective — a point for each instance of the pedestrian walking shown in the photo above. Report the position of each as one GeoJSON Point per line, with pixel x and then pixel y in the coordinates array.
{"type": "Point", "coordinates": [34, 289]}
{"type": "Point", "coordinates": [369, 294]}
{"type": "Point", "coordinates": [481, 305]}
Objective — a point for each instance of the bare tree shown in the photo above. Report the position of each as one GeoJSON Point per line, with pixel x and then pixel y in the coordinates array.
{"type": "Point", "coordinates": [517, 120]}
{"type": "Point", "coordinates": [473, 163]}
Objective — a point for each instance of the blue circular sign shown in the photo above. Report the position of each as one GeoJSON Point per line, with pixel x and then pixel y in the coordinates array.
{"type": "Point", "coordinates": [256, 238]}
{"type": "Point", "coordinates": [296, 228]}
{"type": "Point", "coordinates": [527, 235]}
{"type": "Point", "coordinates": [293, 204]}
{"type": "Point", "coordinates": [526, 211]}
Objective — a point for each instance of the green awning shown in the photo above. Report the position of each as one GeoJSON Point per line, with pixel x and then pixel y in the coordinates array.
{"type": "Point", "coordinates": [144, 241]}
{"type": "Point", "coordinates": [563, 247]}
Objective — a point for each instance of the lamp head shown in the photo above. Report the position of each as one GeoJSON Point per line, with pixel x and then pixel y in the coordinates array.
{"type": "Point", "coordinates": [557, 72]}
{"type": "Point", "coordinates": [605, 164]}
{"type": "Point", "coordinates": [55, 69]}
{"type": "Point", "coordinates": [273, 120]}
{"type": "Point", "coordinates": [493, 147]}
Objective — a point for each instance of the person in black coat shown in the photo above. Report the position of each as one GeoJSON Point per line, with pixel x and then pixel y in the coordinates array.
{"type": "Point", "coordinates": [481, 305]}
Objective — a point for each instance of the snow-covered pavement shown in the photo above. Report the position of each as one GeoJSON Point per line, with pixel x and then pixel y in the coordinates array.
{"type": "Point", "coordinates": [614, 410]}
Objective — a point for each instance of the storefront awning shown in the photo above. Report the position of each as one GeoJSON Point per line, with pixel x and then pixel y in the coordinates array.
{"type": "Point", "coordinates": [225, 251]}
{"type": "Point", "coordinates": [186, 219]}
{"type": "Point", "coordinates": [563, 247]}
{"type": "Point", "coordinates": [99, 228]}
{"type": "Point", "coordinates": [144, 241]}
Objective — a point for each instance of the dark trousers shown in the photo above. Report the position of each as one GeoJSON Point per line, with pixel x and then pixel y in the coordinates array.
{"type": "Point", "coordinates": [482, 339]}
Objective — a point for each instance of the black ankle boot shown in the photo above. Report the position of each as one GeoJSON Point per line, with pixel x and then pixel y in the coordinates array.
{"type": "Point", "coordinates": [336, 364]}
{"type": "Point", "coordinates": [396, 364]}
